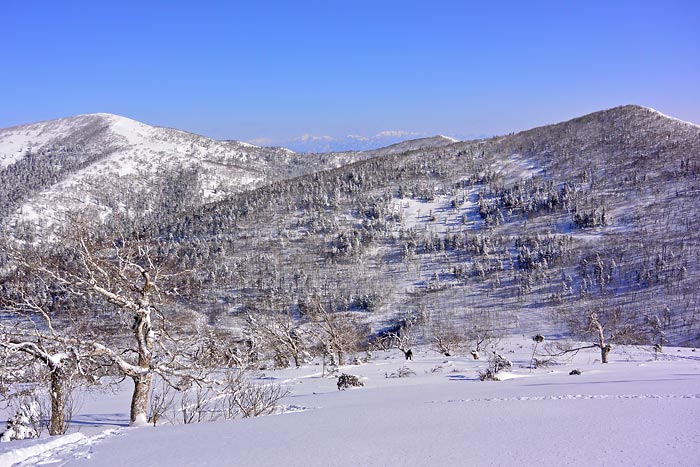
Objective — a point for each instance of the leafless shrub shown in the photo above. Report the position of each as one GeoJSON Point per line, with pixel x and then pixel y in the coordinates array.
{"type": "Point", "coordinates": [196, 406]}
{"type": "Point", "coordinates": [402, 372]}
{"type": "Point", "coordinates": [543, 363]}
{"type": "Point", "coordinates": [447, 337]}
{"type": "Point", "coordinates": [245, 398]}
{"type": "Point", "coordinates": [403, 341]}
{"type": "Point", "coordinates": [488, 375]}
{"type": "Point", "coordinates": [447, 342]}
{"type": "Point", "coordinates": [496, 364]}
{"type": "Point", "coordinates": [233, 381]}
{"type": "Point", "coordinates": [483, 337]}
{"type": "Point", "coordinates": [254, 399]}
{"type": "Point", "coordinates": [161, 402]}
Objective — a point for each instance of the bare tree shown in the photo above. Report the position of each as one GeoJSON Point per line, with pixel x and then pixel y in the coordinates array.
{"type": "Point", "coordinates": [483, 336]}
{"type": "Point", "coordinates": [404, 341]}
{"type": "Point", "coordinates": [61, 373]}
{"type": "Point", "coordinates": [606, 327]}
{"type": "Point", "coordinates": [30, 334]}
{"type": "Point", "coordinates": [279, 333]}
{"type": "Point", "coordinates": [133, 282]}
{"type": "Point", "coordinates": [446, 344]}
{"type": "Point", "coordinates": [337, 333]}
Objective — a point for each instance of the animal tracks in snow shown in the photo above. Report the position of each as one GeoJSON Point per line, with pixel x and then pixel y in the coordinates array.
{"type": "Point", "coordinates": [565, 397]}
{"type": "Point", "coordinates": [55, 451]}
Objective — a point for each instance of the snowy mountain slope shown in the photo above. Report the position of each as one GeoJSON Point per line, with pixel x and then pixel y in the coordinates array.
{"type": "Point", "coordinates": [515, 235]}
{"type": "Point", "coordinates": [525, 231]}
{"type": "Point", "coordinates": [338, 159]}
{"type": "Point", "coordinates": [64, 162]}
{"type": "Point", "coordinates": [76, 163]}
{"type": "Point", "coordinates": [633, 411]}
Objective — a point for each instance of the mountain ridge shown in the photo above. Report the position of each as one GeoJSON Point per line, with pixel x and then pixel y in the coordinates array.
{"type": "Point", "coordinates": [529, 229]}
{"type": "Point", "coordinates": [535, 226]}
{"type": "Point", "coordinates": [103, 148]}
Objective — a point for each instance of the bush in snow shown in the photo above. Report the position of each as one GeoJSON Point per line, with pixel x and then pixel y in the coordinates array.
{"type": "Point", "coordinates": [496, 364]}
{"type": "Point", "coordinates": [488, 375]}
{"type": "Point", "coordinates": [345, 381]}
{"type": "Point", "coordinates": [499, 363]}
{"type": "Point", "coordinates": [25, 423]}
{"type": "Point", "coordinates": [403, 372]}
{"type": "Point", "coordinates": [245, 398]}
{"type": "Point", "coordinates": [544, 362]}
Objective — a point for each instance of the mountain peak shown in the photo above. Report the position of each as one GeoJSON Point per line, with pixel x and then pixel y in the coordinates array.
{"type": "Point", "coordinates": [635, 110]}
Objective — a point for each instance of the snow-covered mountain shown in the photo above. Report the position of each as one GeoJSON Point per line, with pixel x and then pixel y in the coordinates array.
{"type": "Point", "coordinates": [94, 160]}
{"type": "Point", "coordinates": [61, 164]}
{"type": "Point", "coordinates": [582, 234]}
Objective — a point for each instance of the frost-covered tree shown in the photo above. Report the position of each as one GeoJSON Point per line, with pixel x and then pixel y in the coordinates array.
{"type": "Point", "coordinates": [39, 346]}
{"type": "Point", "coordinates": [336, 333]}
{"type": "Point", "coordinates": [123, 302]}
{"type": "Point", "coordinates": [278, 333]}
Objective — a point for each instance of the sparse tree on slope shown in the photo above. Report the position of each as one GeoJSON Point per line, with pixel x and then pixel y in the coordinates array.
{"type": "Point", "coordinates": [605, 327]}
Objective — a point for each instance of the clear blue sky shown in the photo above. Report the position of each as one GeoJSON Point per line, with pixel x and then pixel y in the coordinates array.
{"type": "Point", "coordinates": [254, 69]}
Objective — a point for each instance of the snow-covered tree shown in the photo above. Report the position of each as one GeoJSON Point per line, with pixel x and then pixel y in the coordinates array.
{"type": "Point", "coordinates": [32, 335]}
{"type": "Point", "coordinates": [136, 293]}
{"type": "Point", "coordinates": [336, 333]}
{"type": "Point", "coordinates": [278, 333]}
{"type": "Point", "coordinates": [25, 423]}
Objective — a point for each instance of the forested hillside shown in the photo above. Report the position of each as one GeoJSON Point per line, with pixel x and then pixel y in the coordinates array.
{"type": "Point", "coordinates": [550, 230]}
{"type": "Point", "coordinates": [528, 232]}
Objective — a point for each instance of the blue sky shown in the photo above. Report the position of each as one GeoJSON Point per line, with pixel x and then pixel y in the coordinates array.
{"type": "Point", "coordinates": [277, 70]}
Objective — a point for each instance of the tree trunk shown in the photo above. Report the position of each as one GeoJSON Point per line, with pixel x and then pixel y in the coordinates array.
{"type": "Point", "coordinates": [604, 351]}
{"type": "Point", "coordinates": [139, 400]}
{"type": "Point", "coordinates": [59, 395]}
{"type": "Point", "coordinates": [142, 382]}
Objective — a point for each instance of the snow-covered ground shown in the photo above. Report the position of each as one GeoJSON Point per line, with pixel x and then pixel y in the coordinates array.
{"type": "Point", "coordinates": [634, 411]}
{"type": "Point", "coordinates": [439, 216]}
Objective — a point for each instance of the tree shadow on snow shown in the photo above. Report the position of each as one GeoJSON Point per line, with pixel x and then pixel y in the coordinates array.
{"type": "Point", "coordinates": [459, 377]}
{"type": "Point", "coordinates": [98, 420]}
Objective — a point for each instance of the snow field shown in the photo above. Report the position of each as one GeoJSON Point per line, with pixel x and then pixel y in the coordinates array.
{"type": "Point", "coordinates": [633, 411]}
